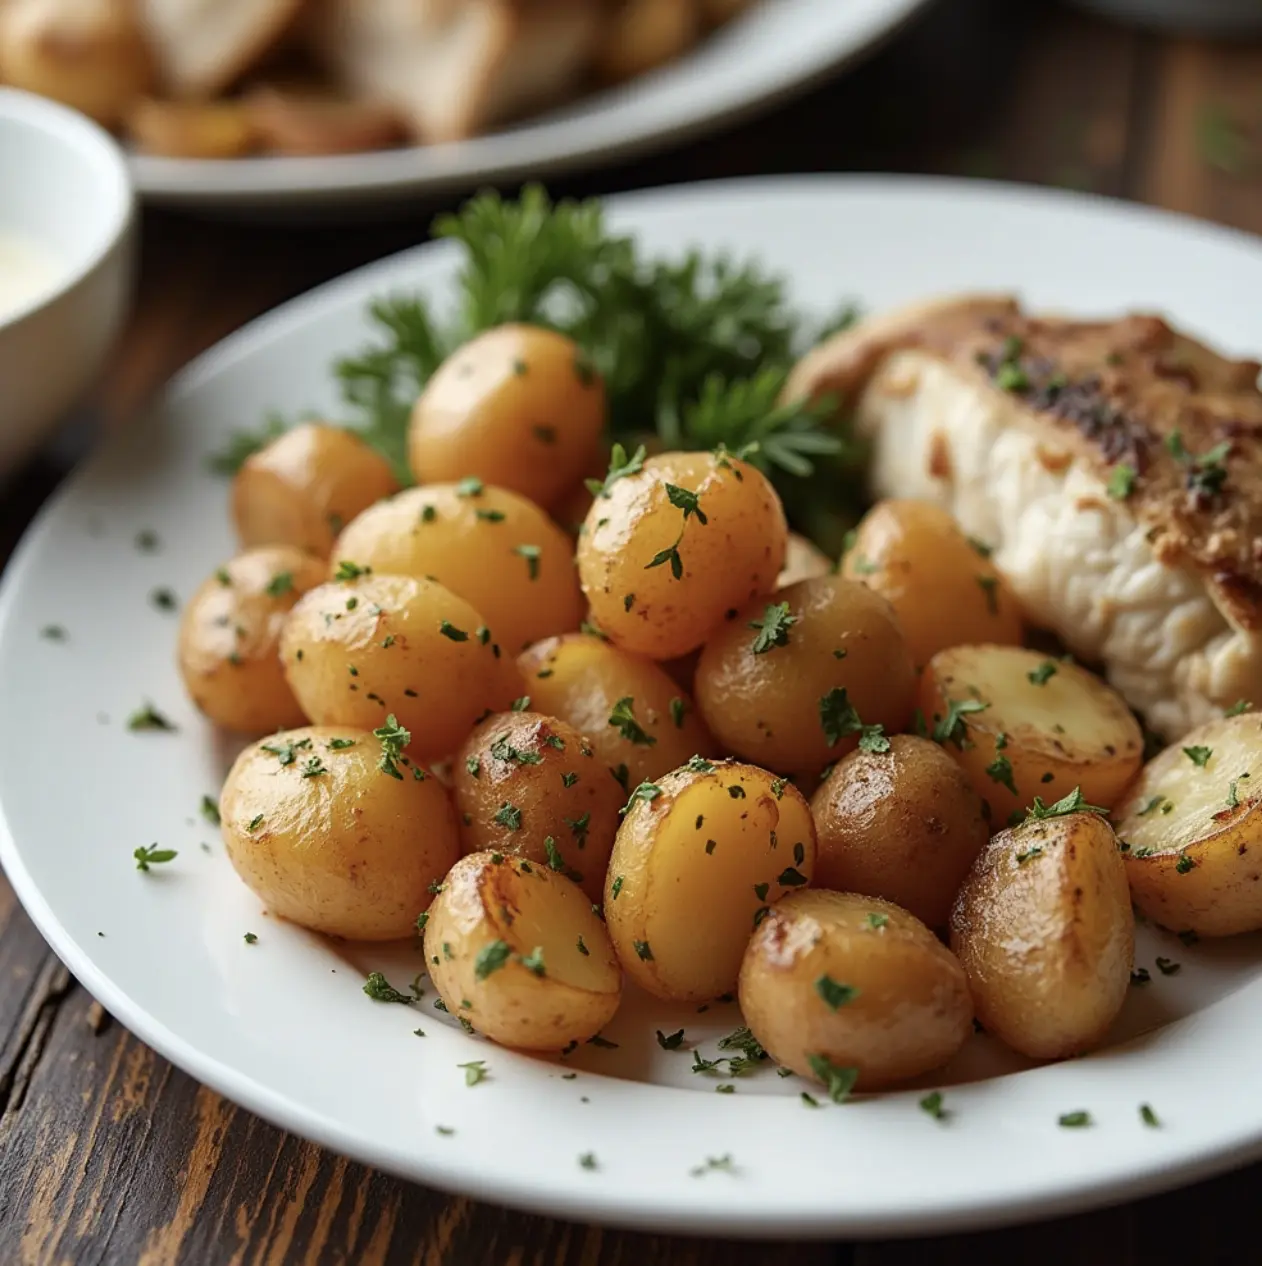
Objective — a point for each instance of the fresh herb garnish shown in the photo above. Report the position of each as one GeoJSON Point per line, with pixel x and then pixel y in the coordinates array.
{"type": "Point", "coordinates": [1072, 803]}
{"type": "Point", "coordinates": [153, 856]}
{"type": "Point", "coordinates": [622, 718]}
{"type": "Point", "coordinates": [1074, 1120]}
{"type": "Point", "coordinates": [210, 810]}
{"type": "Point", "coordinates": [490, 958]}
{"type": "Point", "coordinates": [1121, 482]}
{"type": "Point", "coordinates": [670, 1041]}
{"type": "Point", "coordinates": [393, 738]}
{"type": "Point", "coordinates": [149, 718]}
{"type": "Point", "coordinates": [834, 995]}
{"type": "Point", "coordinates": [840, 1081]}
{"type": "Point", "coordinates": [280, 584]}
{"type": "Point", "coordinates": [379, 989]}
{"type": "Point", "coordinates": [932, 1104]}
{"type": "Point", "coordinates": [1043, 673]}
{"type": "Point", "coordinates": [509, 815]}
{"type": "Point", "coordinates": [952, 728]}
{"type": "Point", "coordinates": [1199, 756]}
{"type": "Point", "coordinates": [773, 628]}
{"type": "Point", "coordinates": [474, 1071]}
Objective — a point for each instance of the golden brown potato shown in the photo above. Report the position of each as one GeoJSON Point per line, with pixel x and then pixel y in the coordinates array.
{"type": "Point", "coordinates": [328, 839]}
{"type": "Point", "coordinates": [305, 486]}
{"type": "Point", "coordinates": [803, 560]}
{"type": "Point", "coordinates": [789, 683]}
{"type": "Point", "coordinates": [532, 786]}
{"type": "Point", "coordinates": [641, 723]}
{"type": "Point", "coordinates": [852, 992]}
{"type": "Point", "coordinates": [519, 406]}
{"type": "Point", "coordinates": [904, 824]}
{"type": "Point", "coordinates": [672, 549]}
{"type": "Point", "coordinates": [1189, 826]}
{"type": "Point", "coordinates": [369, 647]}
{"type": "Point", "coordinates": [494, 548]}
{"type": "Point", "coordinates": [87, 54]}
{"type": "Point", "coordinates": [519, 952]}
{"type": "Point", "coordinates": [192, 129]}
{"type": "Point", "coordinates": [230, 637]}
{"type": "Point", "coordinates": [1023, 725]}
{"type": "Point", "coordinates": [304, 123]}
{"type": "Point", "coordinates": [942, 585]}
{"type": "Point", "coordinates": [1044, 928]}
{"type": "Point", "coordinates": [644, 34]}
{"type": "Point", "coordinates": [700, 857]}
{"type": "Point", "coordinates": [716, 12]}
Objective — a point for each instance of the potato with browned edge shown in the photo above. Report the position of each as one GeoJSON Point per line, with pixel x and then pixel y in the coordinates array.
{"type": "Point", "coordinates": [1044, 928]}
{"type": "Point", "coordinates": [791, 681]}
{"type": "Point", "coordinates": [532, 786]}
{"type": "Point", "coordinates": [1023, 725]}
{"type": "Point", "coordinates": [230, 639]}
{"type": "Point", "coordinates": [701, 856]}
{"type": "Point", "coordinates": [494, 548]}
{"type": "Point", "coordinates": [903, 824]}
{"type": "Point", "coordinates": [518, 406]}
{"type": "Point", "coordinates": [641, 722]}
{"type": "Point", "coordinates": [853, 992]}
{"type": "Point", "coordinates": [942, 584]}
{"type": "Point", "coordinates": [677, 545]}
{"type": "Point", "coordinates": [328, 839]}
{"type": "Point", "coordinates": [518, 951]}
{"type": "Point", "coordinates": [1191, 831]}
{"type": "Point", "coordinates": [302, 488]}
{"type": "Point", "coordinates": [360, 650]}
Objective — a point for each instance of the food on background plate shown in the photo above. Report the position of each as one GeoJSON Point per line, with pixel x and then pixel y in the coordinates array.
{"type": "Point", "coordinates": [1112, 466]}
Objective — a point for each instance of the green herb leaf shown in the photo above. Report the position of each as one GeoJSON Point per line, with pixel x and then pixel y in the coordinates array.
{"type": "Point", "coordinates": [952, 727]}
{"type": "Point", "coordinates": [773, 628]}
{"type": "Point", "coordinates": [153, 856]}
{"type": "Point", "coordinates": [1043, 673]}
{"type": "Point", "coordinates": [834, 995]}
{"type": "Point", "coordinates": [1199, 756]}
{"type": "Point", "coordinates": [379, 989]}
{"type": "Point", "coordinates": [932, 1104]}
{"type": "Point", "coordinates": [839, 1080]}
{"type": "Point", "coordinates": [490, 958]}
{"type": "Point", "coordinates": [1074, 1120]}
{"type": "Point", "coordinates": [393, 739]}
{"type": "Point", "coordinates": [622, 718]}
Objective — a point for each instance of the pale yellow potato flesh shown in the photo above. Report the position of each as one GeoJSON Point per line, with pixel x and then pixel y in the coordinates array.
{"type": "Point", "coordinates": [803, 560]}
{"type": "Point", "coordinates": [498, 551]}
{"type": "Point", "coordinates": [517, 951]}
{"type": "Point", "coordinates": [1072, 730]}
{"type": "Point", "coordinates": [1044, 928]}
{"type": "Point", "coordinates": [348, 850]}
{"type": "Point", "coordinates": [636, 538]}
{"type": "Point", "coordinates": [1193, 831]}
{"type": "Point", "coordinates": [857, 982]}
{"type": "Point", "coordinates": [581, 679]}
{"type": "Point", "coordinates": [359, 651]}
{"type": "Point", "coordinates": [230, 638]}
{"type": "Point", "coordinates": [696, 867]}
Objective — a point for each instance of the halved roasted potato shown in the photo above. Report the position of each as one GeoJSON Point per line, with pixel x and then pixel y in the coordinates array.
{"type": "Point", "coordinates": [1191, 831]}
{"type": "Point", "coordinates": [519, 952]}
{"type": "Point", "coordinates": [1044, 928]}
{"type": "Point", "coordinates": [1023, 725]}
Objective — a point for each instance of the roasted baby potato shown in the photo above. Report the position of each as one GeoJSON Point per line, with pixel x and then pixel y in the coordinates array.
{"type": "Point", "coordinates": [532, 786]}
{"type": "Point", "coordinates": [494, 548]}
{"type": "Point", "coordinates": [852, 991]}
{"type": "Point", "coordinates": [942, 585]}
{"type": "Point", "coordinates": [297, 122]}
{"type": "Point", "coordinates": [1191, 831]}
{"type": "Point", "coordinates": [700, 857]}
{"type": "Point", "coordinates": [644, 34]}
{"type": "Point", "coordinates": [903, 824]}
{"type": "Point", "coordinates": [790, 682]}
{"type": "Point", "coordinates": [1023, 725]}
{"type": "Point", "coordinates": [641, 723]}
{"type": "Point", "coordinates": [519, 952]}
{"type": "Point", "coordinates": [676, 546]}
{"type": "Point", "coordinates": [518, 406]}
{"type": "Point", "coordinates": [192, 129]}
{"type": "Point", "coordinates": [305, 486]}
{"type": "Point", "coordinates": [367, 648]}
{"type": "Point", "coordinates": [803, 560]}
{"type": "Point", "coordinates": [329, 840]}
{"type": "Point", "coordinates": [230, 636]}
{"type": "Point", "coordinates": [1044, 928]}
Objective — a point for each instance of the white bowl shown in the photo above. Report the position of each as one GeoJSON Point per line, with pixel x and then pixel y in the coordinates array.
{"type": "Point", "coordinates": [64, 185]}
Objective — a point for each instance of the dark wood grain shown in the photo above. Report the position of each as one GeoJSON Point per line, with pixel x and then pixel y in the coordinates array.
{"type": "Point", "coordinates": [107, 1153]}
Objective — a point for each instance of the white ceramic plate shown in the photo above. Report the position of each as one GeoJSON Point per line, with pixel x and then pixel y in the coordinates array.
{"type": "Point", "coordinates": [779, 47]}
{"type": "Point", "coordinates": [282, 1025]}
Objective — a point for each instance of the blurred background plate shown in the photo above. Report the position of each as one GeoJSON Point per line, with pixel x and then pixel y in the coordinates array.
{"type": "Point", "coordinates": [778, 48]}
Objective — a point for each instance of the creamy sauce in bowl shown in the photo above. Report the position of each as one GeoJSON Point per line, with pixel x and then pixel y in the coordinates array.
{"type": "Point", "coordinates": [29, 270]}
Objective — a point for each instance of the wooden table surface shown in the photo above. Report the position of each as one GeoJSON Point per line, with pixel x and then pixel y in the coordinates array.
{"type": "Point", "coordinates": [110, 1155]}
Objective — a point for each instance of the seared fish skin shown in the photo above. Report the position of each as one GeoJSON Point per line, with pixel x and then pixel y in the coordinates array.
{"type": "Point", "coordinates": [1115, 467]}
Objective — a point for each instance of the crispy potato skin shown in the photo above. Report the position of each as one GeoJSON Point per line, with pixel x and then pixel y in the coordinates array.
{"type": "Point", "coordinates": [528, 910]}
{"type": "Point", "coordinates": [1047, 937]}
{"type": "Point", "coordinates": [349, 851]}
{"type": "Point", "coordinates": [1203, 825]}
{"type": "Point", "coordinates": [562, 792]}
{"type": "Point", "coordinates": [944, 590]}
{"type": "Point", "coordinates": [580, 678]}
{"type": "Point", "coordinates": [911, 1010]}
{"type": "Point", "coordinates": [725, 562]}
{"type": "Point", "coordinates": [358, 651]}
{"type": "Point", "coordinates": [1071, 731]}
{"type": "Point", "coordinates": [230, 638]}
{"type": "Point", "coordinates": [517, 406]}
{"type": "Point", "coordinates": [471, 541]}
{"type": "Point", "coordinates": [803, 560]}
{"type": "Point", "coordinates": [303, 487]}
{"type": "Point", "coordinates": [692, 869]}
{"type": "Point", "coordinates": [905, 825]}
{"type": "Point", "coordinates": [766, 707]}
